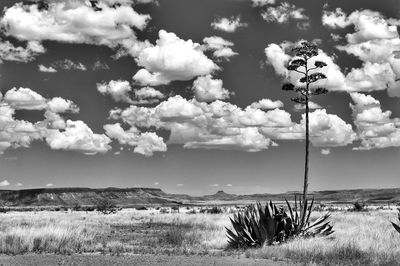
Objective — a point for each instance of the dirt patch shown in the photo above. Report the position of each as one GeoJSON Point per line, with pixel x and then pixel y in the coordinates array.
{"type": "Point", "coordinates": [142, 260]}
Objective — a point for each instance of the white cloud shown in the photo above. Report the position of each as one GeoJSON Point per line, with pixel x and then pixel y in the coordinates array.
{"type": "Point", "coordinates": [68, 64]}
{"type": "Point", "coordinates": [101, 25]}
{"type": "Point", "coordinates": [219, 46]}
{"type": "Point", "coordinates": [18, 185]}
{"type": "Point", "coordinates": [4, 183]}
{"type": "Point", "coordinates": [179, 185]}
{"type": "Point", "coordinates": [49, 185]}
{"type": "Point", "coordinates": [25, 98]}
{"type": "Point", "coordinates": [311, 105]}
{"type": "Point", "coordinates": [228, 24]}
{"type": "Point", "coordinates": [8, 52]}
{"type": "Point", "coordinates": [325, 151]}
{"type": "Point", "coordinates": [207, 89]}
{"type": "Point", "coordinates": [49, 69]}
{"type": "Point", "coordinates": [148, 92]}
{"type": "Point", "coordinates": [172, 59]}
{"type": "Point", "coordinates": [284, 13]}
{"type": "Point", "coordinates": [118, 89]}
{"type": "Point", "coordinates": [262, 2]}
{"type": "Point", "coordinates": [77, 136]}
{"type": "Point", "coordinates": [375, 128]}
{"type": "Point", "coordinates": [60, 105]}
{"type": "Point", "coordinates": [335, 19]}
{"type": "Point", "coordinates": [214, 185]}
{"type": "Point", "coordinates": [267, 104]}
{"type": "Point", "coordinates": [145, 143]}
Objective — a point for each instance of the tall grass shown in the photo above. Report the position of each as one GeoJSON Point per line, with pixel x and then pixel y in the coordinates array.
{"type": "Point", "coordinates": [360, 238]}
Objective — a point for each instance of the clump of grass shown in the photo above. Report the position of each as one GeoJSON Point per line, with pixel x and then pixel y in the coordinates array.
{"type": "Point", "coordinates": [48, 239]}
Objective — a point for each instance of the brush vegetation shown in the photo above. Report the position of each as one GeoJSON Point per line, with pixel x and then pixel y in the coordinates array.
{"type": "Point", "coordinates": [360, 238]}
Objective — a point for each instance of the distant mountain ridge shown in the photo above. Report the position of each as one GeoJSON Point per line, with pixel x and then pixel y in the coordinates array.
{"type": "Point", "coordinates": [83, 196]}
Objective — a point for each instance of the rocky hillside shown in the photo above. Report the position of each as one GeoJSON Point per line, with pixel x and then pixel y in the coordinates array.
{"type": "Point", "coordinates": [155, 196]}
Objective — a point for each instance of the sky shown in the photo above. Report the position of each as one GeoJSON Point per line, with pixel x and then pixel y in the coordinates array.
{"type": "Point", "coordinates": [185, 95]}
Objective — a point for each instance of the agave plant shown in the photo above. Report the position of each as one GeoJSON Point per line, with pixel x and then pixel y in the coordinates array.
{"type": "Point", "coordinates": [301, 222]}
{"type": "Point", "coordinates": [397, 226]}
{"type": "Point", "coordinates": [257, 226]}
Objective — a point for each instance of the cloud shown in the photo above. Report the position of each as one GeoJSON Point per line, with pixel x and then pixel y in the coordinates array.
{"type": "Point", "coordinates": [228, 24]}
{"type": "Point", "coordinates": [145, 143]}
{"type": "Point", "coordinates": [179, 185]}
{"type": "Point", "coordinates": [49, 69]}
{"type": "Point", "coordinates": [267, 104]}
{"type": "Point", "coordinates": [148, 92]}
{"type": "Point", "coordinates": [25, 98]}
{"type": "Point", "coordinates": [325, 151]}
{"type": "Point", "coordinates": [311, 105]}
{"type": "Point", "coordinates": [375, 41]}
{"type": "Point", "coordinates": [4, 183]}
{"type": "Point", "coordinates": [68, 64]}
{"type": "Point", "coordinates": [8, 52]}
{"type": "Point", "coordinates": [214, 185]}
{"type": "Point", "coordinates": [98, 65]}
{"type": "Point", "coordinates": [262, 2]}
{"type": "Point", "coordinates": [172, 59]}
{"type": "Point", "coordinates": [101, 24]}
{"type": "Point", "coordinates": [375, 127]}
{"type": "Point", "coordinates": [219, 46]}
{"type": "Point", "coordinates": [77, 136]}
{"type": "Point", "coordinates": [207, 89]}
{"type": "Point", "coordinates": [50, 185]}
{"type": "Point", "coordinates": [284, 13]}
{"type": "Point", "coordinates": [118, 89]}
{"type": "Point", "coordinates": [335, 19]}
{"type": "Point", "coordinates": [60, 105]}
{"type": "Point", "coordinates": [18, 184]}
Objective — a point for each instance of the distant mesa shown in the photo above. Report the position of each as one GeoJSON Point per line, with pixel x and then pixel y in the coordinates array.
{"type": "Point", "coordinates": [132, 197]}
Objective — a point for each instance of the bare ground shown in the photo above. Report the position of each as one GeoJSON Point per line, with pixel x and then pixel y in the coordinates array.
{"type": "Point", "coordinates": [140, 260]}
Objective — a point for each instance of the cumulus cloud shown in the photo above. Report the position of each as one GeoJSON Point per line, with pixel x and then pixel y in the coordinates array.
{"type": "Point", "coordinates": [325, 151]}
{"type": "Point", "coordinates": [267, 104]}
{"type": "Point", "coordinates": [262, 2]}
{"type": "Point", "coordinates": [118, 89]}
{"type": "Point", "coordinates": [222, 125]}
{"type": "Point", "coordinates": [145, 143]}
{"type": "Point", "coordinates": [60, 105]}
{"type": "Point", "coordinates": [68, 64]}
{"type": "Point", "coordinates": [101, 24]}
{"type": "Point", "coordinates": [8, 52]}
{"type": "Point", "coordinates": [311, 105]}
{"type": "Point", "coordinates": [375, 41]}
{"type": "Point", "coordinates": [25, 98]}
{"type": "Point", "coordinates": [172, 59]}
{"type": "Point", "coordinates": [375, 127]}
{"type": "Point", "coordinates": [228, 24]}
{"type": "Point", "coordinates": [284, 13]}
{"type": "Point", "coordinates": [4, 183]}
{"type": "Point", "coordinates": [219, 46]}
{"type": "Point", "coordinates": [207, 89]}
{"type": "Point", "coordinates": [77, 136]}
{"type": "Point", "coordinates": [49, 69]}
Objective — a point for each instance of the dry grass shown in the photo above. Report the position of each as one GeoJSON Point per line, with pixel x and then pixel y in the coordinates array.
{"type": "Point", "coordinates": [365, 238]}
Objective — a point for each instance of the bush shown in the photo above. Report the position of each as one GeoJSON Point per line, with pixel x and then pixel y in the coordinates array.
{"type": "Point", "coordinates": [359, 206]}
{"type": "Point", "coordinates": [106, 207]}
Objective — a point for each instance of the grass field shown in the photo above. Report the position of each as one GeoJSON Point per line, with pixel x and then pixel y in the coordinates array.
{"type": "Point", "coordinates": [360, 238]}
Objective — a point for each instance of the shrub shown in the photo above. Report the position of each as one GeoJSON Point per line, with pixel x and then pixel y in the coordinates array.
{"type": "Point", "coordinates": [106, 207]}
{"type": "Point", "coordinates": [359, 206]}
{"type": "Point", "coordinates": [257, 226]}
